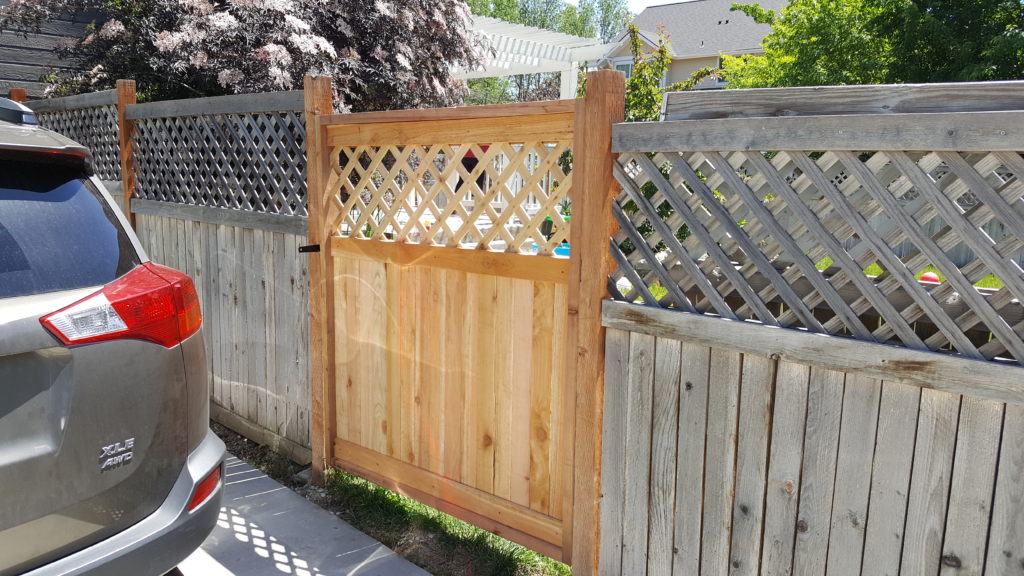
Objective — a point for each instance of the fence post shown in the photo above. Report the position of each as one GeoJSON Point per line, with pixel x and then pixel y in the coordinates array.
{"type": "Point", "coordinates": [18, 95]}
{"type": "Point", "coordinates": [593, 189]}
{"type": "Point", "coordinates": [318, 93]}
{"type": "Point", "coordinates": [126, 133]}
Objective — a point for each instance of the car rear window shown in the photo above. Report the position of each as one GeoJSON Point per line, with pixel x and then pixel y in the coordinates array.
{"type": "Point", "coordinates": [56, 231]}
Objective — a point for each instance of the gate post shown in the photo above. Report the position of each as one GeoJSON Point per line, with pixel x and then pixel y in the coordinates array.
{"type": "Point", "coordinates": [125, 135]}
{"type": "Point", "coordinates": [318, 94]}
{"type": "Point", "coordinates": [593, 189]}
{"type": "Point", "coordinates": [18, 95]}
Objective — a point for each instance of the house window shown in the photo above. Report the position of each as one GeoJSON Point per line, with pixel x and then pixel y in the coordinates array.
{"type": "Point", "coordinates": [627, 68]}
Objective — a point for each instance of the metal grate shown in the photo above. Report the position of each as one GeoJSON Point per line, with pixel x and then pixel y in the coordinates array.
{"type": "Point", "coordinates": [95, 127]}
{"type": "Point", "coordinates": [496, 196]}
{"type": "Point", "coordinates": [254, 162]}
{"type": "Point", "coordinates": [807, 239]}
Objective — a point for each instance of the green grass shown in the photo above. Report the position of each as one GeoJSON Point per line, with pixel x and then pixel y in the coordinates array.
{"type": "Point", "coordinates": [989, 281]}
{"type": "Point", "coordinates": [440, 543]}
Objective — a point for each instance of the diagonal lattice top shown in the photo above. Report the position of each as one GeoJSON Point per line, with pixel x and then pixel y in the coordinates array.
{"type": "Point", "coordinates": [251, 161]}
{"type": "Point", "coordinates": [95, 127]}
{"type": "Point", "coordinates": [832, 242]}
{"type": "Point", "coordinates": [496, 196]}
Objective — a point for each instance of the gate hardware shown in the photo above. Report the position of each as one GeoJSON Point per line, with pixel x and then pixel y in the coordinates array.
{"type": "Point", "coordinates": [309, 248]}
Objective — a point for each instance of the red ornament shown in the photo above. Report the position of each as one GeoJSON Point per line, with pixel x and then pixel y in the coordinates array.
{"type": "Point", "coordinates": [930, 277]}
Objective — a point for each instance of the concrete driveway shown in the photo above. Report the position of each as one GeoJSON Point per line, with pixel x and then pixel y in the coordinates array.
{"type": "Point", "coordinates": [265, 529]}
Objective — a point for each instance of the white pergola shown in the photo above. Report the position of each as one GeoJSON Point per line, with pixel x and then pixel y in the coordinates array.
{"type": "Point", "coordinates": [518, 49]}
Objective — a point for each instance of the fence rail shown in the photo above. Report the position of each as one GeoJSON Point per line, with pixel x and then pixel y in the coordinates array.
{"type": "Point", "coordinates": [90, 119]}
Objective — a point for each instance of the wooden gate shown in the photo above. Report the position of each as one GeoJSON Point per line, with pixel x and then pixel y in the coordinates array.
{"type": "Point", "coordinates": [440, 304]}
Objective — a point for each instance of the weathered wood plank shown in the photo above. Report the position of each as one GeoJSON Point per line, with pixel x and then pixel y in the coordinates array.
{"type": "Point", "coordinates": [974, 479]}
{"type": "Point", "coordinates": [238, 218]}
{"type": "Point", "coordinates": [720, 459]}
{"type": "Point", "coordinates": [993, 380]}
{"type": "Point", "coordinates": [695, 370]}
{"type": "Point", "coordinates": [232, 104]}
{"type": "Point", "coordinates": [664, 451]}
{"type": "Point", "coordinates": [959, 131]}
{"type": "Point", "coordinates": [613, 451]}
{"type": "Point", "coordinates": [845, 100]}
{"type": "Point", "coordinates": [853, 474]}
{"type": "Point", "coordinates": [785, 455]}
{"type": "Point", "coordinates": [929, 484]}
{"type": "Point", "coordinates": [817, 480]}
{"type": "Point", "coordinates": [1006, 542]}
{"type": "Point", "coordinates": [756, 391]}
{"type": "Point", "coordinates": [88, 100]}
{"type": "Point", "coordinates": [638, 457]}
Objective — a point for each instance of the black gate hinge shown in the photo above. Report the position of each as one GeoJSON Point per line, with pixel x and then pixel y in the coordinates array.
{"type": "Point", "coordinates": [309, 248]}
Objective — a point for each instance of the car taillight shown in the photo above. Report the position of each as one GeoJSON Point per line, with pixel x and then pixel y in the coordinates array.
{"type": "Point", "coordinates": [152, 303]}
{"type": "Point", "coordinates": [204, 489]}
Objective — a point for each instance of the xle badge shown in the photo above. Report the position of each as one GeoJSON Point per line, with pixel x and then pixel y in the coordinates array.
{"type": "Point", "coordinates": [117, 454]}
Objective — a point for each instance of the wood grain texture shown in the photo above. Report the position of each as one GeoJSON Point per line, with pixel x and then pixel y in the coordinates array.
{"type": "Point", "coordinates": [720, 460]}
{"type": "Point", "coordinates": [690, 483]}
{"type": "Point", "coordinates": [845, 100]}
{"type": "Point", "coordinates": [1006, 543]}
{"type": "Point", "coordinates": [640, 398]}
{"type": "Point", "coordinates": [613, 451]}
{"type": "Point", "coordinates": [589, 268]}
{"type": "Point", "coordinates": [457, 113]}
{"type": "Point", "coordinates": [992, 380]}
{"type": "Point", "coordinates": [664, 453]}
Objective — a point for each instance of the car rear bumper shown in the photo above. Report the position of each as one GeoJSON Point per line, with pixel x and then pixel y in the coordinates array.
{"type": "Point", "coordinates": [164, 538]}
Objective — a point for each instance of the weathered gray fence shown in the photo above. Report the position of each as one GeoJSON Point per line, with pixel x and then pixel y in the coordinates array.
{"type": "Point", "coordinates": [219, 192]}
{"type": "Point", "coordinates": [768, 414]}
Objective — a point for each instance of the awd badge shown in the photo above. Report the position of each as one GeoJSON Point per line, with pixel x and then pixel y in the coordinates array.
{"type": "Point", "coordinates": [117, 454]}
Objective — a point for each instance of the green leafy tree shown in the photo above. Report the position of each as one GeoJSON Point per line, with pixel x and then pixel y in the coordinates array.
{"type": "Point", "coordinates": [813, 43]}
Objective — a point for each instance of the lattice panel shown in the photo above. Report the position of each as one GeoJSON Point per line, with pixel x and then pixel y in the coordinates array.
{"type": "Point", "coordinates": [497, 196]}
{"type": "Point", "coordinates": [743, 235]}
{"type": "Point", "coordinates": [253, 162]}
{"type": "Point", "coordinates": [94, 127]}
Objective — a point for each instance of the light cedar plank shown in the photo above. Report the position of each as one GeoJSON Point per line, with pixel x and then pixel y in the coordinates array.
{"type": "Point", "coordinates": [528, 355]}
{"type": "Point", "coordinates": [693, 403]}
{"type": "Point", "coordinates": [456, 113]}
{"type": "Point", "coordinates": [890, 482]}
{"type": "Point", "coordinates": [853, 474]}
{"type": "Point", "coordinates": [341, 348]}
{"type": "Point", "coordinates": [365, 383]}
{"type": "Point", "coordinates": [929, 484]}
{"type": "Point", "coordinates": [562, 410]}
{"type": "Point", "coordinates": [410, 328]}
{"type": "Point", "coordinates": [474, 343]}
{"type": "Point", "coordinates": [756, 391]}
{"type": "Point", "coordinates": [1006, 540]}
{"type": "Point", "coordinates": [541, 397]}
{"type": "Point", "coordinates": [817, 485]}
{"type": "Point", "coordinates": [484, 393]}
{"type": "Point", "coordinates": [431, 394]}
{"type": "Point", "coordinates": [970, 498]}
{"type": "Point", "coordinates": [355, 349]}
{"type": "Point", "coordinates": [664, 451]}
{"type": "Point", "coordinates": [376, 333]}
{"type": "Point", "coordinates": [497, 509]}
{"type": "Point", "coordinates": [640, 383]}
{"type": "Point", "coordinates": [613, 451]}
{"type": "Point", "coordinates": [546, 128]}
{"type": "Point", "coordinates": [785, 456]}
{"type": "Point", "coordinates": [504, 341]}
{"type": "Point", "coordinates": [392, 380]}
{"type": "Point", "coordinates": [720, 460]}
{"type": "Point", "coordinates": [456, 370]}
{"type": "Point", "coordinates": [522, 266]}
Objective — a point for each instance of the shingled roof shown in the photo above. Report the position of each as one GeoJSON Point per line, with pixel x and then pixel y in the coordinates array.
{"type": "Point", "coordinates": [706, 27]}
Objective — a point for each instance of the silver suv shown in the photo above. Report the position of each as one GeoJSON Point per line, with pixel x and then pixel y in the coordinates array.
{"type": "Point", "coordinates": [107, 463]}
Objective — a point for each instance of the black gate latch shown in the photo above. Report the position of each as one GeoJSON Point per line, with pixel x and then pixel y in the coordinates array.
{"type": "Point", "coordinates": [309, 248]}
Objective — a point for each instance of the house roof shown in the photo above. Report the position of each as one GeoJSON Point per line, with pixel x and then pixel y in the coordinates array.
{"type": "Point", "coordinates": [706, 27]}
